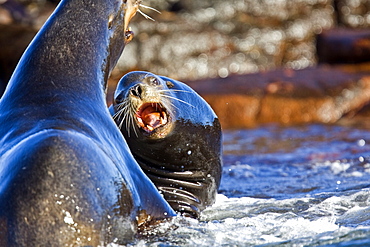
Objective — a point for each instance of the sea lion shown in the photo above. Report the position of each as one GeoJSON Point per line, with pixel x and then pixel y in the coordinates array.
{"type": "Point", "coordinates": [175, 137]}
{"type": "Point", "coordinates": [67, 177]}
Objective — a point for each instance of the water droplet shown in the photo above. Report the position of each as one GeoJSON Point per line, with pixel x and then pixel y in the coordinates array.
{"type": "Point", "coordinates": [68, 218]}
{"type": "Point", "coordinates": [189, 152]}
{"type": "Point", "coordinates": [361, 142]}
{"type": "Point", "coordinates": [223, 72]}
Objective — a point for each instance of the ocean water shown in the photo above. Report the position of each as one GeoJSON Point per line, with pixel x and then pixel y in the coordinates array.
{"type": "Point", "coordinates": [283, 186]}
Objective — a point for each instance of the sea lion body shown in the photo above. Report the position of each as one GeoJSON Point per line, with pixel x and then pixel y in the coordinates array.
{"type": "Point", "coordinates": [174, 135]}
{"type": "Point", "coordinates": [67, 177]}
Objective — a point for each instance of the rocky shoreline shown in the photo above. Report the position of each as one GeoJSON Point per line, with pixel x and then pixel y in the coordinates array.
{"type": "Point", "coordinates": [290, 64]}
{"type": "Point", "coordinates": [320, 94]}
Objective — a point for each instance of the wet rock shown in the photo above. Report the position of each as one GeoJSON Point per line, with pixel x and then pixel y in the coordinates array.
{"type": "Point", "coordinates": [318, 94]}
{"type": "Point", "coordinates": [343, 46]}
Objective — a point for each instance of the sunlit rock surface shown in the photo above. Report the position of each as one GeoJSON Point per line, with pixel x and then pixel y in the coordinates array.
{"type": "Point", "coordinates": [316, 94]}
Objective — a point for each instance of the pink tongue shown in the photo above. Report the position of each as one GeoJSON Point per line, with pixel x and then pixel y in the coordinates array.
{"type": "Point", "coordinates": [151, 116]}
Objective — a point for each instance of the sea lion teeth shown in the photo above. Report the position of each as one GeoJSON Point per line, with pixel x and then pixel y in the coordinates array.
{"type": "Point", "coordinates": [163, 118]}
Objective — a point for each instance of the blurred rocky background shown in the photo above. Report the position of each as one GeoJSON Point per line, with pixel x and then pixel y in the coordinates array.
{"type": "Point", "coordinates": [284, 61]}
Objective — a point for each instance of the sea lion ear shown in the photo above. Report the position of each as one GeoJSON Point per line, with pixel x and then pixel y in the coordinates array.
{"type": "Point", "coordinates": [169, 84]}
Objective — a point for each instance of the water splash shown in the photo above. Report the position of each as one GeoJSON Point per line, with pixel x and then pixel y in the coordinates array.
{"type": "Point", "coordinates": [303, 186]}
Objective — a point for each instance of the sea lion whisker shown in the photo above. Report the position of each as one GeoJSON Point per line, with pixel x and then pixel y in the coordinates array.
{"type": "Point", "coordinates": [117, 114]}
{"type": "Point", "coordinates": [133, 124]}
{"type": "Point", "coordinates": [123, 118]}
{"type": "Point", "coordinates": [170, 97]}
{"type": "Point", "coordinates": [127, 120]}
{"type": "Point", "coordinates": [168, 105]}
{"type": "Point", "coordinates": [121, 108]}
{"type": "Point", "coordinates": [122, 111]}
{"type": "Point", "coordinates": [131, 120]}
{"type": "Point", "coordinates": [127, 125]}
{"type": "Point", "coordinates": [174, 90]}
{"type": "Point", "coordinates": [126, 115]}
{"type": "Point", "coordinates": [151, 8]}
{"type": "Point", "coordinates": [172, 106]}
{"type": "Point", "coordinates": [134, 127]}
{"type": "Point", "coordinates": [145, 15]}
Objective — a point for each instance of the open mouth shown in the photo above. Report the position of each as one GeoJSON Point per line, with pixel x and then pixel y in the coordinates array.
{"type": "Point", "coordinates": [151, 116]}
{"type": "Point", "coordinates": [129, 34]}
{"type": "Point", "coordinates": [131, 8]}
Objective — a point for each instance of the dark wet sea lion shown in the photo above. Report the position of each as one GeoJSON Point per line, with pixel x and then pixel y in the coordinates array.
{"type": "Point", "coordinates": [67, 177]}
{"type": "Point", "coordinates": [174, 135]}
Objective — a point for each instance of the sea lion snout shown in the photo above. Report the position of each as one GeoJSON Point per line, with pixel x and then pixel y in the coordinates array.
{"type": "Point", "coordinates": [146, 93]}
{"type": "Point", "coordinates": [136, 91]}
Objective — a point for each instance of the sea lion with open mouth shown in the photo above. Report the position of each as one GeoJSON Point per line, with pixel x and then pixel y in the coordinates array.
{"type": "Point", "coordinates": [174, 135]}
{"type": "Point", "coordinates": [67, 176]}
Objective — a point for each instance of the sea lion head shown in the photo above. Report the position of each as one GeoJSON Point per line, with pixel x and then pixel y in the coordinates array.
{"type": "Point", "coordinates": [119, 31]}
{"type": "Point", "coordinates": [143, 102]}
{"type": "Point", "coordinates": [174, 135]}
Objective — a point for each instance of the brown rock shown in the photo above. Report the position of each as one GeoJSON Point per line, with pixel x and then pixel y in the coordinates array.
{"type": "Point", "coordinates": [319, 94]}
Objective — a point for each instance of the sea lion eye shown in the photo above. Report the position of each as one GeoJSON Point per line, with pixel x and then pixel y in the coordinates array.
{"type": "Point", "coordinates": [154, 81]}
{"type": "Point", "coordinates": [169, 84]}
{"type": "Point", "coordinates": [119, 99]}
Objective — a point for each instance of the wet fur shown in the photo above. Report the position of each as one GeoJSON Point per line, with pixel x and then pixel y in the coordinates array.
{"type": "Point", "coordinates": [67, 177]}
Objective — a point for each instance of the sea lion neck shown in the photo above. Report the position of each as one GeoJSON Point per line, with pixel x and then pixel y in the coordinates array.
{"type": "Point", "coordinates": [78, 51]}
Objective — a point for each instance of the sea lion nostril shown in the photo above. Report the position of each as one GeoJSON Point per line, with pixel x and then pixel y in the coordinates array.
{"type": "Point", "coordinates": [136, 91]}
